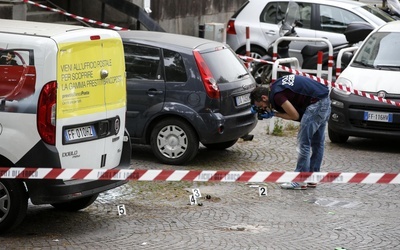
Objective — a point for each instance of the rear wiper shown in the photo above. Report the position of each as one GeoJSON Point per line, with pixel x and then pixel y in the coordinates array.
{"type": "Point", "coordinates": [242, 75]}
{"type": "Point", "coordinates": [364, 64]}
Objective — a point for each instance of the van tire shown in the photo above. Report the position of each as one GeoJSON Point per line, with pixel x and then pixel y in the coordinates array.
{"type": "Point", "coordinates": [75, 205]}
{"type": "Point", "coordinates": [13, 204]}
{"type": "Point", "coordinates": [336, 137]}
{"type": "Point", "coordinates": [174, 141]}
{"type": "Point", "coordinates": [221, 145]}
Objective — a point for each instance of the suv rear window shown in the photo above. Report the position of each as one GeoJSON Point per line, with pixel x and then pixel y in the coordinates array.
{"type": "Point", "coordinates": [174, 67]}
{"type": "Point", "coordinates": [224, 65]}
{"type": "Point", "coordinates": [240, 9]}
{"type": "Point", "coordinates": [379, 13]}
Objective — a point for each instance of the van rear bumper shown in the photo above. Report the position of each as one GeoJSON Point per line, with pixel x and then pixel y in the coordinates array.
{"type": "Point", "coordinates": [56, 191]}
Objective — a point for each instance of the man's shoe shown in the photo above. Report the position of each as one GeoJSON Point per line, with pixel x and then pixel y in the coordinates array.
{"type": "Point", "coordinates": [294, 185]}
{"type": "Point", "coordinates": [312, 185]}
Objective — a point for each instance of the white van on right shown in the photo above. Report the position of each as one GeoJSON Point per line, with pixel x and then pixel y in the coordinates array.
{"type": "Point", "coordinates": [374, 69]}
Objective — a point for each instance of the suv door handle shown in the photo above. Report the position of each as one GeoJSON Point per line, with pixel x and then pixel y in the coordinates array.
{"type": "Point", "coordinates": [154, 92]}
{"type": "Point", "coordinates": [270, 32]}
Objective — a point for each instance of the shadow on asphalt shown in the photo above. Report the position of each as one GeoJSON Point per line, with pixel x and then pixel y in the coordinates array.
{"type": "Point", "coordinates": [203, 158]}
{"type": "Point", "coordinates": [365, 144]}
{"type": "Point", "coordinates": [45, 221]}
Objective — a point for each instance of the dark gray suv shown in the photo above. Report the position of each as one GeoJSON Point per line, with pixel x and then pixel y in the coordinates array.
{"type": "Point", "coordinates": [183, 90]}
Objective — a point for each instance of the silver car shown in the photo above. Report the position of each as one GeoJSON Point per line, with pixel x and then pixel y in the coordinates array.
{"type": "Point", "coordinates": [321, 19]}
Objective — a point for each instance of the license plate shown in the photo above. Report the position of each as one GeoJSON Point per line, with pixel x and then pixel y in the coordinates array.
{"type": "Point", "coordinates": [242, 99]}
{"type": "Point", "coordinates": [378, 116]}
{"type": "Point", "coordinates": [73, 134]}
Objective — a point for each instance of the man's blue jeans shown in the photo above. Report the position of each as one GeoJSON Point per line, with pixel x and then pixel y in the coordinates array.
{"type": "Point", "coordinates": [311, 136]}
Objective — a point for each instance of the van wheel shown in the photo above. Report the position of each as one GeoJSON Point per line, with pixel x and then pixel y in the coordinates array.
{"type": "Point", "coordinates": [337, 138]}
{"type": "Point", "coordinates": [75, 205]}
{"type": "Point", "coordinates": [174, 141]}
{"type": "Point", "coordinates": [13, 204]}
{"type": "Point", "coordinates": [221, 145]}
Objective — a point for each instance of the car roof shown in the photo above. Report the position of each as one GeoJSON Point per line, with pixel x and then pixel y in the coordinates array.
{"type": "Point", "coordinates": [341, 3]}
{"type": "Point", "coordinates": [390, 27]}
{"type": "Point", "coordinates": [36, 28]}
{"type": "Point", "coordinates": [165, 39]}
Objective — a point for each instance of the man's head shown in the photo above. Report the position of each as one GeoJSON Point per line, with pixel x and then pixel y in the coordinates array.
{"type": "Point", "coordinates": [10, 56]}
{"type": "Point", "coordinates": [259, 97]}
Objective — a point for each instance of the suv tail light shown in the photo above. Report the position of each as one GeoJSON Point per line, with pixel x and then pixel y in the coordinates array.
{"type": "Point", "coordinates": [230, 29]}
{"type": "Point", "coordinates": [208, 79]}
{"type": "Point", "coordinates": [46, 117]}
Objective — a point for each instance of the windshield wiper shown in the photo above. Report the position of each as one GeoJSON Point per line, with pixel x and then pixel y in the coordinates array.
{"type": "Point", "coordinates": [391, 67]}
{"type": "Point", "coordinates": [364, 64]}
{"type": "Point", "coordinates": [242, 75]}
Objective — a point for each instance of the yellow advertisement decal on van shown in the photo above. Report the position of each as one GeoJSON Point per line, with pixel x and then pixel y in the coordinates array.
{"type": "Point", "coordinates": [91, 77]}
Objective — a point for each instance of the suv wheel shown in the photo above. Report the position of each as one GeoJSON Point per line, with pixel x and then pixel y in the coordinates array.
{"type": "Point", "coordinates": [77, 204]}
{"type": "Point", "coordinates": [337, 138]}
{"type": "Point", "coordinates": [262, 73]}
{"type": "Point", "coordinates": [13, 204]}
{"type": "Point", "coordinates": [221, 145]}
{"type": "Point", "coordinates": [256, 53]}
{"type": "Point", "coordinates": [174, 141]}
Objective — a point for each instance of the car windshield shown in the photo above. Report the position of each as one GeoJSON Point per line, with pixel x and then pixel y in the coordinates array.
{"type": "Point", "coordinates": [378, 16]}
{"type": "Point", "coordinates": [378, 52]}
{"type": "Point", "coordinates": [225, 65]}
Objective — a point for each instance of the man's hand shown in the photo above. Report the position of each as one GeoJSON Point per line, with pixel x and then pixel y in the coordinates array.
{"type": "Point", "coordinates": [265, 115]}
{"type": "Point", "coordinates": [254, 109]}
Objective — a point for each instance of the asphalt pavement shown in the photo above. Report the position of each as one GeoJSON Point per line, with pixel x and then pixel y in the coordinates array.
{"type": "Point", "coordinates": [234, 215]}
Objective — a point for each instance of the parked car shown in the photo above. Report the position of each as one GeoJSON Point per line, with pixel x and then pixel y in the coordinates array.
{"type": "Point", "coordinates": [374, 69]}
{"type": "Point", "coordinates": [183, 90]}
{"type": "Point", "coordinates": [320, 19]}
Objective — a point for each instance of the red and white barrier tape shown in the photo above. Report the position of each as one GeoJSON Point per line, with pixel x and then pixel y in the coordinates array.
{"type": "Point", "coordinates": [197, 175]}
{"type": "Point", "coordinates": [326, 82]}
{"type": "Point", "coordinates": [106, 25]}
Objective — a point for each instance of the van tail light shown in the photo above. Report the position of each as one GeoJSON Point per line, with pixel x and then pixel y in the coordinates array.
{"type": "Point", "coordinates": [230, 28]}
{"type": "Point", "coordinates": [208, 79]}
{"type": "Point", "coordinates": [46, 117]}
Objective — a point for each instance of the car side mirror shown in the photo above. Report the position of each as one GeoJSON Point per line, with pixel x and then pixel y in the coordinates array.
{"type": "Point", "coordinates": [346, 58]}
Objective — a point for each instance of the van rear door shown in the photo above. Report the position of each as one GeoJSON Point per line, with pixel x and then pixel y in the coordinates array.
{"type": "Point", "coordinates": [91, 99]}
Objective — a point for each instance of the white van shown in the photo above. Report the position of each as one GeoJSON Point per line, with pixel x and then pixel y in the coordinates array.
{"type": "Point", "coordinates": [62, 105]}
{"type": "Point", "coordinates": [374, 69]}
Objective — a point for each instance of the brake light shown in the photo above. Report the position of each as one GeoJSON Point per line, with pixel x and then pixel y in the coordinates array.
{"type": "Point", "coordinates": [230, 29]}
{"type": "Point", "coordinates": [209, 82]}
{"type": "Point", "coordinates": [46, 117]}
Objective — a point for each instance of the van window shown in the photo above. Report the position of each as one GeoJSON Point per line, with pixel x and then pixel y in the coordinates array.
{"type": "Point", "coordinates": [142, 62]}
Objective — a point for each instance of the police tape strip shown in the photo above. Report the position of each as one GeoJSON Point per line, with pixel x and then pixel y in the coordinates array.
{"type": "Point", "coordinates": [197, 175]}
{"type": "Point", "coordinates": [326, 82]}
{"type": "Point", "coordinates": [106, 25]}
